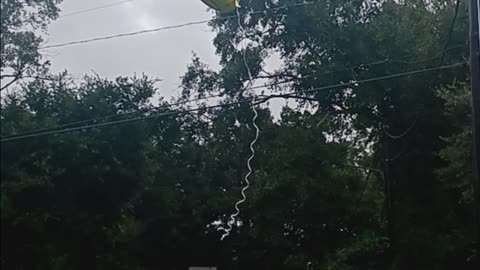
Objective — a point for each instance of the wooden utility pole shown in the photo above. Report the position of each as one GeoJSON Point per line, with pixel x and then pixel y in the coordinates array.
{"type": "Point", "coordinates": [475, 83]}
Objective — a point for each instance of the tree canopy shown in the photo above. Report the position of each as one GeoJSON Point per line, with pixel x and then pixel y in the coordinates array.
{"type": "Point", "coordinates": [374, 174]}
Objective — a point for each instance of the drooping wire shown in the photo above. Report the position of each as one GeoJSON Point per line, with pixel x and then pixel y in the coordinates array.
{"type": "Point", "coordinates": [233, 216]}
{"type": "Point", "coordinates": [401, 135]}
{"type": "Point", "coordinates": [441, 55]}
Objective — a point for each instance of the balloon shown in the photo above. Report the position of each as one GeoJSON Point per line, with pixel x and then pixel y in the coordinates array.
{"type": "Point", "coordinates": [222, 6]}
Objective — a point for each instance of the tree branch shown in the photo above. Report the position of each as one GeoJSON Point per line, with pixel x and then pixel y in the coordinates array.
{"type": "Point", "coordinates": [294, 97]}
{"type": "Point", "coordinates": [16, 78]}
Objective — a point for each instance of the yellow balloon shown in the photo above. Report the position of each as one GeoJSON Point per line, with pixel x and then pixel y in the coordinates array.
{"type": "Point", "coordinates": [222, 6]}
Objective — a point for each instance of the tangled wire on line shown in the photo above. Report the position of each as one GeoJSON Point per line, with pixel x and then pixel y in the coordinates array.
{"type": "Point", "coordinates": [233, 216]}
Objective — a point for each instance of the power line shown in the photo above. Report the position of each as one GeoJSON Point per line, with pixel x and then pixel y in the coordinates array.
{"type": "Point", "coordinates": [355, 82]}
{"type": "Point", "coordinates": [124, 35]}
{"type": "Point", "coordinates": [387, 60]}
{"type": "Point", "coordinates": [95, 8]}
{"type": "Point", "coordinates": [261, 100]}
{"type": "Point", "coordinates": [168, 27]}
{"type": "Point", "coordinates": [440, 54]}
{"type": "Point", "coordinates": [113, 116]}
{"type": "Point", "coordinates": [123, 121]}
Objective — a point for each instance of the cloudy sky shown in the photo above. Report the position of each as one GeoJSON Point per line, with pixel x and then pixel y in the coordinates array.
{"type": "Point", "coordinates": [162, 54]}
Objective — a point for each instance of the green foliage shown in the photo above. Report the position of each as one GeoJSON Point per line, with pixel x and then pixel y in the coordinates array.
{"type": "Point", "coordinates": [458, 151]}
{"type": "Point", "coordinates": [71, 192]}
{"type": "Point", "coordinates": [370, 176]}
{"type": "Point", "coordinates": [20, 22]}
{"type": "Point", "coordinates": [362, 253]}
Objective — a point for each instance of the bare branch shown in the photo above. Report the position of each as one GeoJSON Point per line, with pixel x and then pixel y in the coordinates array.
{"type": "Point", "coordinates": [10, 83]}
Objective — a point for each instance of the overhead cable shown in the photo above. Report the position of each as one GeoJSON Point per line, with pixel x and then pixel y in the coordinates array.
{"type": "Point", "coordinates": [168, 27]}
{"type": "Point", "coordinates": [387, 60]}
{"type": "Point", "coordinates": [94, 9]}
{"type": "Point", "coordinates": [261, 99]}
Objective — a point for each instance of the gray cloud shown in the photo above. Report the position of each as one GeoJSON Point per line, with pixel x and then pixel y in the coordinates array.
{"type": "Point", "coordinates": [163, 54]}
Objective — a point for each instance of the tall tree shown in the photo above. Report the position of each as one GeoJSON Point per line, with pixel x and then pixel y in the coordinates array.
{"type": "Point", "coordinates": [367, 176]}
{"type": "Point", "coordinates": [329, 42]}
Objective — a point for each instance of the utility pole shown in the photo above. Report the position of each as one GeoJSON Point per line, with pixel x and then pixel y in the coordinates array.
{"type": "Point", "coordinates": [475, 84]}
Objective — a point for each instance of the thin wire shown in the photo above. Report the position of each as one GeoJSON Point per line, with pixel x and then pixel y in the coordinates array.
{"type": "Point", "coordinates": [446, 49]}
{"type": "Point", "coordinates": [450, 30]}
{"type": "Point", "coordinates": [385, 61]}
{"type": "Point", "coordinates": [261, 99]}
{"type": "Point", "coordinates": [442, 58]}
{"type": "Point", "coordinates": [233, 216]}
{"type": "Point", "coordinates": [251, 88]}
{"type": "Point", "coordinates": [168, 27]}
{"type": "Point", "coordinates": [388, 60]}
{"type": "Point", "coordinates": [95, 8]}
{"type": "Point", "coordinates": [112, 116]}
{"type": "Point", "coordinates": [396, 137]}
{"type": "Point", "coordinates": [124, 35]}
{"type": "Point", "coordinates": [119, 121]}
{"type": "Point", "coordinates": [370, 80]}
{"type": "Point", "coordinates": [327, 114]}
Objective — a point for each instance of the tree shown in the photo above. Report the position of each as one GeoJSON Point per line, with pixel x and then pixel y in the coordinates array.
{"type": "Point", "coordinates": [367, 176]}
{"type": "Point", "coordinates": [20, 22]}
{"type": "Point", "coordinates": [66, 199]}
{"type": "Point", "coordinates": [146, 194]}
{"type": "Point", "coordinates": [328, 42]}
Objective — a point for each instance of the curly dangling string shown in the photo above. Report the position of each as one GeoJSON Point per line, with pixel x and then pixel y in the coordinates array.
{"type": "Point", "coordinates": [232, 220]}
{"type": "Point", "coordinates": [233, 217]}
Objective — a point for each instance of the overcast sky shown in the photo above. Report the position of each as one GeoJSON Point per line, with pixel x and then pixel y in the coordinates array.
{"type": "Point", "coordinates": [162, 54]}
